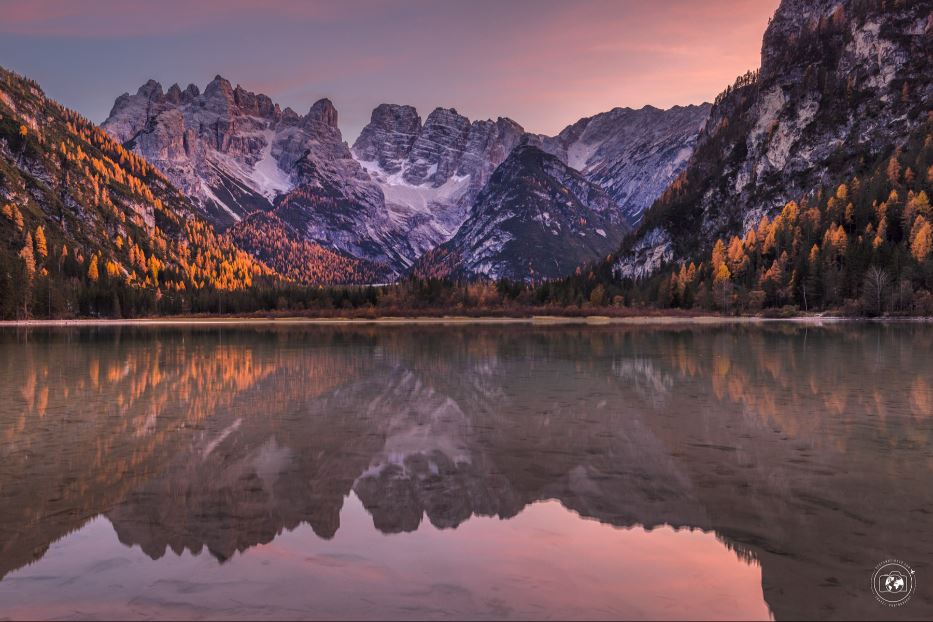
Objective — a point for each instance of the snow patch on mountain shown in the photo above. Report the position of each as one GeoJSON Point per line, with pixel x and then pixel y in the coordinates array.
{"type": "Point", "coordinates": [267, 176]}
{"type": "Point", "coordinates": [632, 154]}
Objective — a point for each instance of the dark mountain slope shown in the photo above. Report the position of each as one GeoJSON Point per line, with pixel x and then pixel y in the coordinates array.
{"type": "Point", "coordinates": [536, 219]}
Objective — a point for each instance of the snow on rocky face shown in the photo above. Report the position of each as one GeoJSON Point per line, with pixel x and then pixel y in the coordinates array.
{"type": "Point", "coordinates": [231, 150]}
{"type": "Point", "coordinates": [430, 174]}
{"type": "Point", "coordinates": [405, 187]}
{"type": "Point", "coordinates": [631, 154]}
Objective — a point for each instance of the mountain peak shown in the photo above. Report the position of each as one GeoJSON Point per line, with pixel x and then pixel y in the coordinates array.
{"type": "Point", "coordinates": [151, 89]}
{"type": "Point", "coordinates": [218, 85]}
{"type": "Point", "coordinates": [384, 113]}
{"type": "Point", "coordinates": [439, 114]}
{"type": "Point", "coordinates": [323, 110]}
{"type": "Point", "coordinates": [537, 218]}
{"type": "Point", "coordinates": [174, 94]}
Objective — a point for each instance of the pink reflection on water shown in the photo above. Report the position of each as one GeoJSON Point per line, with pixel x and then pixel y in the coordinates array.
{"type": "Point", "coordinates": [545, 562]}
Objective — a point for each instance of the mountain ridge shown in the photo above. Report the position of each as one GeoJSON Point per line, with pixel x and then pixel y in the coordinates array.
{"type": "Point", "coordinates": [404, 187]}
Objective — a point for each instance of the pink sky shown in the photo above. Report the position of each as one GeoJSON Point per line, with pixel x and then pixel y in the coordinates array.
{"type": "Point", "coordinates": [544, 64]}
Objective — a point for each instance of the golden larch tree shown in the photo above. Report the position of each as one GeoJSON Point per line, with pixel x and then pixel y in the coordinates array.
{"type": "Point", "coordinates": [42, 248]}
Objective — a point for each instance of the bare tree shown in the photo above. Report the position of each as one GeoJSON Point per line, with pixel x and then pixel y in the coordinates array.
{"type": "Point", "coordinates": [873, 289]}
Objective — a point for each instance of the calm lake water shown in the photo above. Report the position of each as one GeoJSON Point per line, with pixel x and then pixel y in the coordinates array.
{"type": "Point", "coordinates": [464, 471]}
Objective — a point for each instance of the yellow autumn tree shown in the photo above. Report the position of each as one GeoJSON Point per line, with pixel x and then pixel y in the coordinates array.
{"type": "Point", "coordinates": [93, 272]}
{"type": "Point", "coordinates": [917, 204]}
{"type": "Point", "coordinates": [722, 273]}
{"type": "Point", "coordinates": [719, 255]}
{"type": "Point", "coordinates": [921, 239]}
{"type": "Point", "coordinates": [881, 234]}
{"type": "Point", "coordinates": [12, 212]}
{"type": "Point", "coordinates": [682, 281]}
{"type": "Point", "coordinates": [722, 286]}
{"type": "Point", "coordinates": [112, 269]}
{"type": "Point", "coordinates": [814, 257]}
{"type": "Point", "coordinates": [29, 259]}
{"type": "Point", "coordinates": [42, 248]}
{"type": "Point", "coordinates": [736, 254]}
{"type": "Point", "coordinates": [894, 169]}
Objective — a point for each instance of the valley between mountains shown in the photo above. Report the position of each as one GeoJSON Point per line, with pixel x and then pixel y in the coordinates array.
{"type": "Point", "coordinates": [408, 186]}
{"type": "Point", "coordinates": [182, 194]}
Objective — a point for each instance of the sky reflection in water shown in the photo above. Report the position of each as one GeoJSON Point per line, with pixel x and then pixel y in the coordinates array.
{"type": "Point", "coordinates": [463, 471]}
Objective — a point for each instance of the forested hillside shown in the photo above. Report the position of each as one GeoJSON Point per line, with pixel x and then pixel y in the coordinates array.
{"type": "Point", "coordinates": [863, 245]}
{"type": "Point", "coordinates": [88, 228]}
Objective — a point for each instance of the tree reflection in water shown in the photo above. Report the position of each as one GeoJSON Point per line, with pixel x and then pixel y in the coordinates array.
{"type": "Point", "coordinates": [804, 449]}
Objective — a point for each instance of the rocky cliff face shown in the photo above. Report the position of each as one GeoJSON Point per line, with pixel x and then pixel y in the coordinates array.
{"type": "Point", "coordinates": [536, 219]}
{"type": "Point", "coordinates": [235, 153]}
{"type": "Point", "coordinates": [79, 211]}
{"type": "Point", "coordinates": [430, 174]}
{"type": "Point", "coordinates": [631, 154]}
{"type": "Point", "coordinates": [231, 150]}
{"type": "Point", "coordinates": [841, 84]}
{"type": "Point", "coordinates": [405, 187]}
{"type": "Point", "coordinates": [388, 138]}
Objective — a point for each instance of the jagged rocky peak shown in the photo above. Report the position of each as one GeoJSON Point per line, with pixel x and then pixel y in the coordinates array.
{"type": "Point", "coordinates": [218, 96]}
{"type": "Point", "coordinates": [447, 145]}
{"type": "Point", "coordinates": [323, 111]}
{"type": "Point", "coordinates": [436, 152]}
{"type": "Point", "coordinates": [490, 141]}
{"type": "Point", "coordinates": [257, 105]}
{"type": "Point", "coordinates": [230, 149]}
{"type": "Point", "coordinates": [389, 136]}
{"type": "Point", "coordinates": [151, 89]}
{"type": "Point", "coordinates": [174, 94]}
{"type": "Point", "coordinates": [788, 23]}
{"type": "Point", "coordinates": [430, 173]}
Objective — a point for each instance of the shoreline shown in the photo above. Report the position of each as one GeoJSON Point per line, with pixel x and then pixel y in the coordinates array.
{"type": "Point", "coordinates": [535, 320]}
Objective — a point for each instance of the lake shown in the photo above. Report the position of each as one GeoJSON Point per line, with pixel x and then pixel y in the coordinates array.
{"type": "Point", "coordinates": [469, 471]}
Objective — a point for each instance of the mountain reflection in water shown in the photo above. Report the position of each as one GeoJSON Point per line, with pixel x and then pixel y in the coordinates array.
{"type": "Point", "coordinates": [805, 451]}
